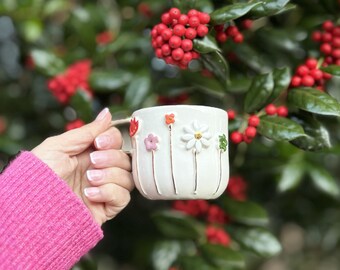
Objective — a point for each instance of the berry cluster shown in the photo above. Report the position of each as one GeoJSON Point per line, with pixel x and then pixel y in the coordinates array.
{"type": "Point", "coordinates": [65, 85]}
{"type": "Point", "coordinates": [232, 31]}
{"type": "Point", "coordinates": [309, 74]}
{"type": "Point", "coordinates": [281, 111]}
{"type": "Point", "coordinates": [250, 131]}
{"type": "Point", "coordinates": [74, 124]}
{"type": "Point", "coordinates": [329, 39]}
{"type": "Point", "coordinates": [216, 235]}
{"type": "Point", "coordinates": [173, 38]}
{"type": "Point", "coordinates": [104, 38]}
{"type": "Point", "coordinates": [237, 188]}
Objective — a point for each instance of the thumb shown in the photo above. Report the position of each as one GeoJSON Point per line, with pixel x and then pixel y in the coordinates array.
{"type": "Point", "coordinates": [76, 141]}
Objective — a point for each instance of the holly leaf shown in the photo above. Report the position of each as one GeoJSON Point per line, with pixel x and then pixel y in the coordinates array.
{"type": "Point", "coordinates": [231, 12]}
{"type": "Point", "coordinates": [82, 104]}
{"type": "Point", "coordinates": [194, 262]}
{"type": "Point", "coordinates": [314, 101]}
{"type": "Point", "coordinates": [259, 92]}
{"type": "Point", "coordinates": [177, 225]}
{"type": "Point", "coordinates": [317, 136]}
{"type": "Point", "coordinates": [269, 8]}
{"type": "Point", "coordinates": [332, 69]}
{"type": "Point", "coordinates": [108, 81]}
{"type": "Point", "coordinates": [245, 212]}
{"type": "Point", "coordinates": [281, 77]}
{"type": "Point", "coordinates": [217, 64]}
{"type": "Point", "coordinates": [205, 45]}
{"type": "Point", "coordinates": [47, 63]}
{"type": "Point", "coordinates": [222, 257]}
{"type": "Point", "coordinates": [257, 240]}
{"type": "Point", "coordinates": [137, 90]}
{"type": "Point", "coordinates": [279, 128]}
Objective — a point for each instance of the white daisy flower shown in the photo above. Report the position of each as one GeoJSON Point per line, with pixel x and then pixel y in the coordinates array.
{"type": "Point", "coordinates": [196, 136]}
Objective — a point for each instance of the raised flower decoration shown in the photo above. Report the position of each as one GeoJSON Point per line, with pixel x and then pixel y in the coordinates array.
{"type": "Point", "coordinates": [134, 124]}
{"type": "Point", "coordinates": [151, 142]}
{"type": "Point", "coordinates": [170, 118]}
{"type": "Point", "coordinates": [196, 136]}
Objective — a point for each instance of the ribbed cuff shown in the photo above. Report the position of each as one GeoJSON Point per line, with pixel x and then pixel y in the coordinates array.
{"type": "Point", "coordinates": [43, 224]}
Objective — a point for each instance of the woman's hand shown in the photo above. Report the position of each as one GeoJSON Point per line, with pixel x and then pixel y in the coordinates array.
{"type": "Point", "coordinates": [90, 160]}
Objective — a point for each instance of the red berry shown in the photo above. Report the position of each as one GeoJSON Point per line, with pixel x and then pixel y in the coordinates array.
{"type": "Point", "coordinates": [154, 33]}
{"type": "Point", "coordinates": [326, 37]}
{"type": "Point", "coordinates": [177, 54]}
{"type": "Point", "coordinates": [247, 23]}
{"type": "Point", "coordinates": [236, 137]}
{"type": "Point", "coordinates": [195, 55]}
{"type": "Point", "coordinates": [187, 45]}
{"type": "Point", "coordinates": [282, 111]}
{"type": "Point", "coordinates": [296, 81]}
{"type": "Point", "coordinates": [166, 50]}
{"type": "Point", "coordinates": [166, 19]}
{"type": "Point", "coordinates": [250, 132]}
{"type": "Point", "coordinates": [316, 74]}
{"type": "Point", "coordinates": [187, 57]}
{"type": "Point", "coordinates": [179, 30]}
{"type": "Point", "coordinates": [302, 70]}
{"type": "Point", "coordinates": [238, 38]}
{"type": "Point", "coordinates": [159, 41]}
{"type": "Point", "coordinates": [159, 53]}
{"type": "Point", "coordinates": [194, 21]}
{"type": "Point", "coordinates": [316, 36]}
{"type": "Point", "coordinates": [219, 28]}
{"type": "Point", "coordinates": [193, 12]}
{"type": "Point", "coordinates": [311, 63]}
{"type": "Point", "coordinates": [327, 76]}
{"type": "Point", "coordinates": [336, 31]}
{"type": "Point", "coordinates": [232, 31]}
{"type": "Point", "coordinates": [336, 53]}
{"type": "Point", "coordinates": [204, 17]}
{"type": "Point", "coordinates": [160, 28]}
{"type": "Point", "coordinates": [175, 42]}
{"type": "Point", "coordinates": [328, 25]}
{"type": "Point", "coordinates": [190, 33]}
{"type": "Point", "coordinates": [270, 109]}
{"type": "Point", "coordinates": [202, 30]}
{"type": "Point", "coordinates": [336, 42]}
{"type": "Point", "coordinates": [166, 34]}
{"type": "Point", "coordinates": [174, 13]}
{"type": "Point", "coordinates": [326, 48]}
{"type": "Point", "coordinates": [231, 114]}
{"type": "Point", "coordinates": [307, 80]}
{"type": "Point", "coordinates": [253, 121]}
{"type": "Point", "coordinates": [247, 139]}
{"type": "Point", "coordinates": [183, 19]}
{"type": "Point", "coordinates": [221, 37]}
{"type": "Point", "coordinates": [169, 60]}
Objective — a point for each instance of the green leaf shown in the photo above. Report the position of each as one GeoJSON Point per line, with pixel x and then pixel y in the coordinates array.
{"type": "Point", "coordinates": [137, 90]}
{"type": "Point", "coordinates": [314, 101]}
{"type": "Point", "coordinates": [31, 30]}
{"type": "Point", "coordinates": [282, 79]}
{"type": "Point", "coordinates": [108, 81]}
{"type": "Point", "coordinates": [194, 262]}
{"type": "Point", "coordinates": [323, 180]}
{"type": "Point", "coordinates": [332, 69]}
{"type": "Point", "coordinates": [47, 63]}
{"type": "Point", "coordinates": [222, 257]}
{"type": "Point", "coordinates": [216, 64]}
{"type": "Point", "coordinates": [120, 43]}
{"type": "Point", "coordinates": [205, 45]}
{"type": "Point", "coordinates": [178, 225]}
{"type": "Point", "coordinates": [257, 240]}
{"type": "Point", "coordinates": [245, 212]}
{"type": "Point", "coordinates": [231, 12]}
{"type": "Point", "coordinates": [269, 7]}
{"type": "Point", "coordinates": [292, 173]}
{"type": "Point", "coordinates": [317, 136]}
{"type": "Point", "coordinates": [81, 102]}
{"type": "Point", "coordinates": [259, 92]}
{"type": "Point", "coordinates": [279, 128]}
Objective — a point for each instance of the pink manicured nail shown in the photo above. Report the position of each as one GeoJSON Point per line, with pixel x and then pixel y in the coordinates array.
{"type": "Point", "coordinates": [102, 114]}
{"type": "Point", "coordinates": [91, 191]}
{"type": "Point", "coordinates": [97, 157]}
{"type": "Point", "coordinates": [94, 175]}
{"type": "Point", "coordinates": [102, 141]}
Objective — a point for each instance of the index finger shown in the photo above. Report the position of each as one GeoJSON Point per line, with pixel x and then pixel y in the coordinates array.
{"type": "Point", "coordinates": [109, 139]}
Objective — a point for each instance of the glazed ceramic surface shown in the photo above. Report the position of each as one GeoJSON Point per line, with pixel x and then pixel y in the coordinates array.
{"type": "Point", "coordinates": [180, 152]}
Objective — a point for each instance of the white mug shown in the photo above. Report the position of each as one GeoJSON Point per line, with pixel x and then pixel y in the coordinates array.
{"type": "Point", "coordinates": [179, 152]}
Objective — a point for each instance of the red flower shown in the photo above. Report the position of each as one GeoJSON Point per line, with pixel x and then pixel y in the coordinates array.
{"type": "Point", "coordinates": [237, 188]}
{"type": "Point", "coordinates": [216, 214]}
{"type": "Point", "coordinates": [217, 236]}
{"type": "Point", "coordinates": [74, 124]}
{"type": "Point", "coordinates": [104, 38]}
{"type": "Point", "coordinates": [134, 124]}
{"type": "Point", "coordinates": [65, 85]}
{"type": "Point", "coordinates": [193, 208]}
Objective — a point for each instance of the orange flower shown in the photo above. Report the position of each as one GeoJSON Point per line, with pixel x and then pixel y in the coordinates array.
{"type": "Point", "coordinates": [169, 119]}
{"type": "Point", "coordinates": [133, 127]}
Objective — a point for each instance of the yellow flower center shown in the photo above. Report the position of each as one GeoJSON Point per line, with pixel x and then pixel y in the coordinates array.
{"type": "Point", "coordinates": [198, 135]}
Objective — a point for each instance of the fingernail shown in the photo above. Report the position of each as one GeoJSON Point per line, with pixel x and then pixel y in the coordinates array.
{"type": "Point", "coordinates": [102, 141]}
{"type": "Point", "coordinates": [94, 175]}
{"type": "Point", "coordinates": [91, 191]}
{"type": "Point", "coordinates": [102, 114]}
{"type": "Point", "coordinates": [97, 157]}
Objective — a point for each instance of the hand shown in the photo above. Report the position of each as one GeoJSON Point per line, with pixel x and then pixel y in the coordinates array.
{"type": "Point", "coordinates": [89, 159]}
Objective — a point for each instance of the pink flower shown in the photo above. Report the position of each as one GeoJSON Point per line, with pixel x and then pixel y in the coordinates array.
{"type": "Point", "coordinates": [151, 142]}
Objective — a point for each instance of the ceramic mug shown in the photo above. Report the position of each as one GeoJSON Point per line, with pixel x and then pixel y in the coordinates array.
{"type": "Point", "coordinates": [179, 152]}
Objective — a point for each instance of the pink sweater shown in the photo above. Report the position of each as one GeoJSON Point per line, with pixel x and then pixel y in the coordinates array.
{"type": "Point", "coordinates": [43, 224]}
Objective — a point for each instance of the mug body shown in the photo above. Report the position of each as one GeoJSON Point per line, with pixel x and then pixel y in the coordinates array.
{"type": "Point", "coordinates": [180, 152]}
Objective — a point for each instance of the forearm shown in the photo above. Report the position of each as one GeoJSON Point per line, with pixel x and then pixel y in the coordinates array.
{"type": "Point", "coordinates": [43, 225]}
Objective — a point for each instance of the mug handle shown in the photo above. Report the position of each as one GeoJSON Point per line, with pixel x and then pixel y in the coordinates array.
{"type": "Point", "coordinates": [127, 146]}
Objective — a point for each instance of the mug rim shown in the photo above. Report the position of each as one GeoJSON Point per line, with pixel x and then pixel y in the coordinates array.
{"type": "Point", "coordinates": [178, 106]}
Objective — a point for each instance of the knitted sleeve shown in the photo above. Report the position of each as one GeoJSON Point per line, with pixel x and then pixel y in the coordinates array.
{"type": "Point", "coordinates": [43, 224]}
